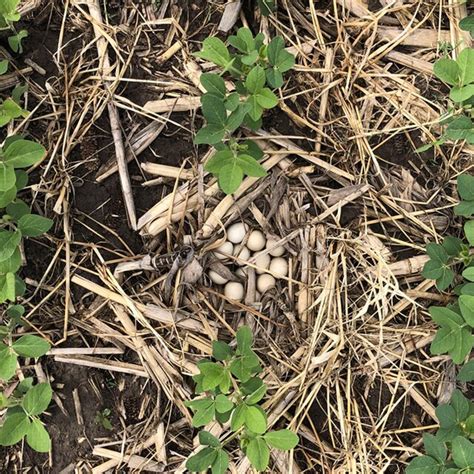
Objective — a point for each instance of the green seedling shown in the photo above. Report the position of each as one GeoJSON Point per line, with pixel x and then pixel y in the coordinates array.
{"type": "Point", "coordinates": [17, 220]}
{"type": "Point", "coordinates": [256, 69]}
{"type": "Point", "coordinates": [22, 418]}
{"type": "Point", "coordinates": [231, 391]}
{"type": "Point", "coordinates": [103, 418]}
{"type": "Point", "coordinates": [450, 450]}
{"type": "Point", "coordinates": [453, 262]}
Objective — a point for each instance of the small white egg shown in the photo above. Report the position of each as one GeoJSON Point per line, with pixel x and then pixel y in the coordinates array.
{"type": "Point", "coordinates": [234, 291]}
{"type": "Point", "coordinates": [236, 232]}
{"type": "Point", "coordinates": [256, 241]}
{"type": "Point", "coordinates": [265, 282]}
{"type": "Point", "coordinates": [279, 267]}
{"type": "Point", "coordinates": [224, 250]}
{"type": "Point", "coordinates": [216, 278]}
{"type": "Point", "coordinates": [262, 262]}
{"type": "Point", "coordinates": [277, 251]}
{"type": "Point", "coordinates": [241, 272]}
{"type": "Point", "coordinates": [242, 252]}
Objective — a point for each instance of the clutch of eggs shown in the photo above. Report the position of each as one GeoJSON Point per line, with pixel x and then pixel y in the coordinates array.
{"type": "Point", "coordinates": [269, 266]}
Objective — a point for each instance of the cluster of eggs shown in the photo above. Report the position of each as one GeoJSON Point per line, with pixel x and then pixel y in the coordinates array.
{"type": "Point", "coordinates": [269, 266]}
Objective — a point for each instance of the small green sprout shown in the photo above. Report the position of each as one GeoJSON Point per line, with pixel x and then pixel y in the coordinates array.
{"type": "Point", "coordinates": [232, 392]}
{"type": "Point", "coordinates": [103, 418]}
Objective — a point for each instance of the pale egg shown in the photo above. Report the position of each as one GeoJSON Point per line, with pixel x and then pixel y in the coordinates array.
{"type": "Point", "coordinates": [256, 241]}
{"type": "Point", "coordinates": [236, 232]}
{"type": "Point", "coordinates": [234, 291]}
{"type": "Point", "coordinates": [242, 252]}
{"type": "Point", "coordinates": [277, 251]}
{"type": "Point", "coordinates": [262, 263]}
{"type": "Point", "coordinates": [224, 250]}
{"type": "Point", "coordinates": [279, 267]}
{"type": "Point", "coordinates": [216, 278]}
{"type": "Point", "coordinates": [265, 282]}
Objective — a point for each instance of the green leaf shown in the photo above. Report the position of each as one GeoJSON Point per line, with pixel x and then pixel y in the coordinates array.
{"type": "Point", "coordinates": [437, 252]}
{"type": "Point", "coordinates": [464, 208]}
{"type": "Point", "coordinates": [11, 264]}
{"type": "Point", "coordinates": [214, 49]}
{"type": "Point", "coordinates": [282, 439]}
{"type": "Point", "coordinates": [444, 340]}
{"type": "Point", "coordinates": [452, 245]}
{"type": "Point", "coordinates": [250, 166]}
{"type": "Point", "coordinates": [238, 417]}
{"type": "Point", "coordinates": [21, 179]}
{"type": "Point", "coordinates": [23, 153]}
{"type": "Point", "coordinates": [251, 385]}
{"type": "Point", "coordinates": [467, 24]}
{"type": "Point", "coordinates": [232, 101]}
{"type": "Point", "coordinates": [250, 59]}
{"type": "Point", "coordinates": [460, 404]}
{"type": "Point", "coordinates": [221, 350]}
{"type": "Point", "coordinates": [213, 374]}
{"type": "Point", "coordinates": [447, 70]}
{"type": "Point", "coordinates": [7, 177]}
{"type": "Point", "coordinates": [8, 361]}
{"type": "Point", "coordinates": [468, 274]}
{"type": "Point", "coordinates": [258, 453]}
{"type": "Point", "coordinates": [255, 420]}
{"type": "Point", "coordinates": [244, 339]}
{"type": "Point", "coordinates": [209, 135]}
{"type": "Point", "coordinates": [37, 399]}
{"type": "Point", "coordinates": [214, 111]}
{"type": "Point", "coordinates": [253, 124]}
{"type": "Point", "coordinates": [465, 183]}
{"type": "Point", "coordinates": [214, 85]}
{"type": "Point", "coordinates": [16, 311]}
{"type": "Point", "coordinates": [255, 81]}
{"type": "Point", "coordinates": [15, 427]}
{"type": "Point", "coordinates": [7, 197]}
{"type": "Point", "coordinates": [446, 317]}
{"type": "Point", "coordinates": [446, 416]}
{"type": "Point", "coordinates": [37, 437]}
{"type": "Point", "coordinates": [274, 48]}
{"type": "Point", "coordinates": [235, 119]}
{"type": "Point", "coordinates": [31, 346]}
{"type": "Point", "coordinates": [230, 177]}
{"type": "Point", "coordinates": [219, 160]}
{"type": "Point", "coordinates": [221, 463]}
{"type": "Point", "coordinates": [469, 231]}
{"type": "Point", "coordinates": [423, 465]}
{"type": "Point", "coordinates": [202, 460]}
{"type": "Point", "coordinates": [257, 395]}
{"type": "Point", "coordinates": [32, 225]}
{"type": "Point", "coordinates": [460, 94]}
{"type": "Point", "coordinates": [465, 62]}
{"type": "Point", "coordinates": [460, 128]}
{"type": "Point", "coordinates": [7, 287]}
{"type": "Point", "coordinates": [466, 304]}
{"type": "Point", "coordinates": [266, 98]}
{"type": "Point", "coordinates": [226, 382]}
{"type": "Point", "coordinates": [463, 452]}
{"type": "Point", "coordinates": [3, 67]}
{"type": "Point", "coordinates": [433, 270]}
{"type": "Point", "coordinates": [17, 209]}
{"type": "Point", "coordinates": [208, 439]}
{"type": "Point", "coordinates": [223, 404]}
{"type": "Point", "coordinates": [274, 77]}
{"type": "Point", "coordinates": [466, 374]}
{"type": "Point", "coordinates": [469, 425]}
{"type": "Point", "coordinates": [285, 61]}
{"type": "Point", "coordinates": [446, 278]}
{"type": "Point", "coordinates": [204, 415]}
{"type": "Point", "coordinates": [15, 41]}
{"type": "Point", "coordinates": [463, 346]}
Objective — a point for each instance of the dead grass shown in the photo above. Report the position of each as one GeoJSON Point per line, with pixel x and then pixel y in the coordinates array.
{"type": "Point", "coordinates": [345, 337]}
